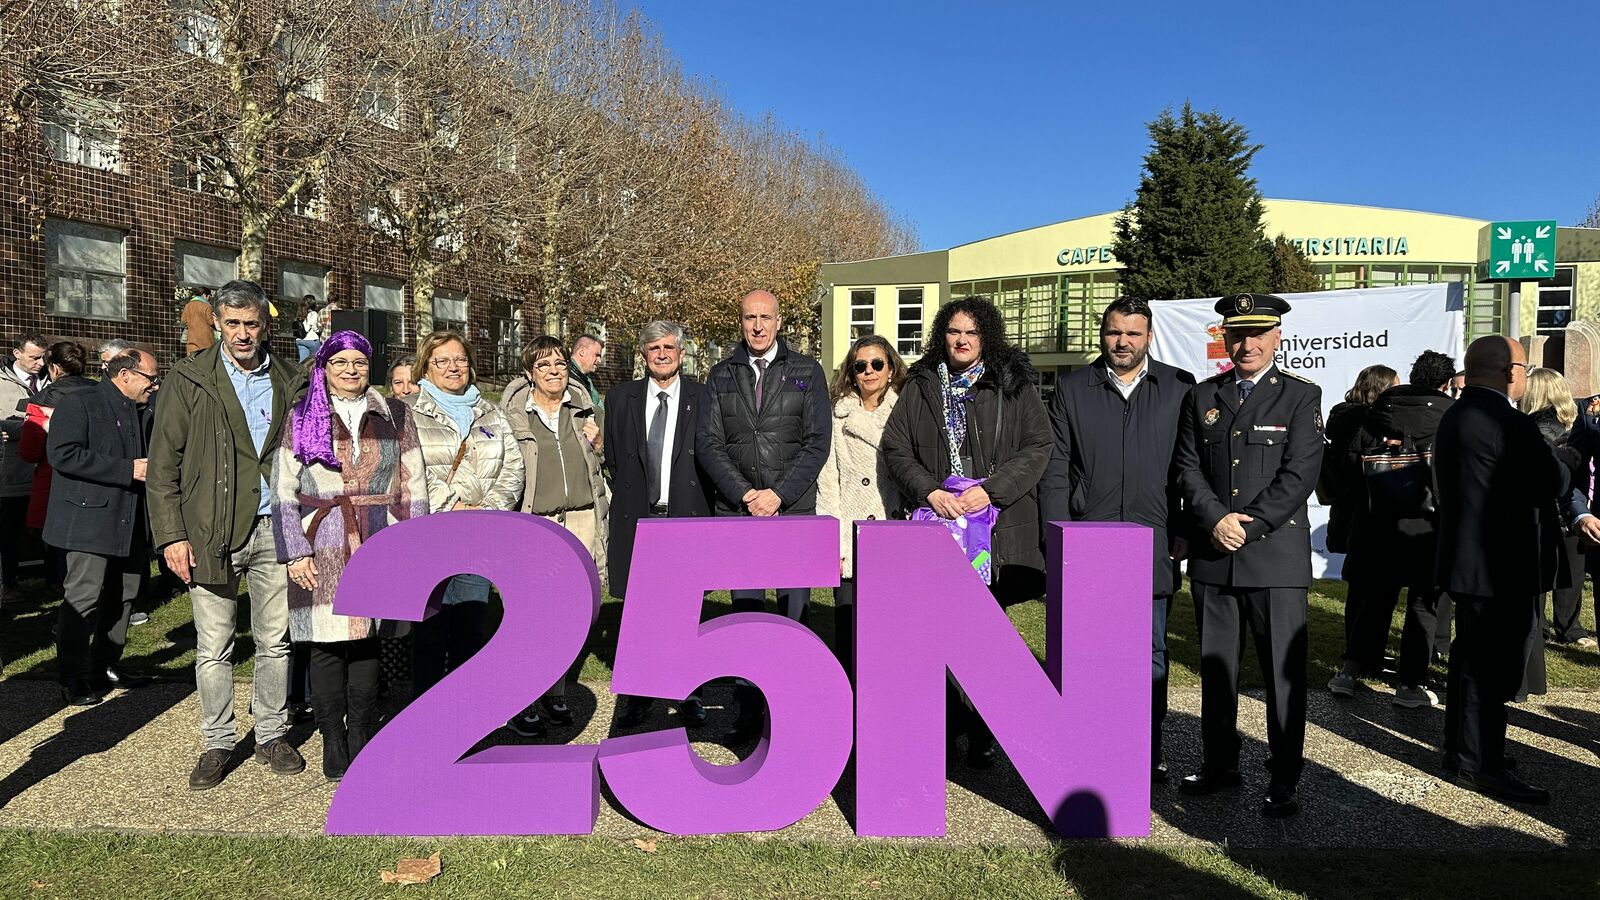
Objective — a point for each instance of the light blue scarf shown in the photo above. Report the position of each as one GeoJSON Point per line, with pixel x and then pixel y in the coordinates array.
{"type": "Point", "coordinates": [458, 408]}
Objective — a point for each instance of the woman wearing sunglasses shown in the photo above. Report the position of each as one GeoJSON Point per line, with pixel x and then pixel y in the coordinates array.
{"type": "Point", "coordinates": [855, 483]}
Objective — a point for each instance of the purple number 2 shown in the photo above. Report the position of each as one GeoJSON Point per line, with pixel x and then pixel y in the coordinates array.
{"type": "Point", "coordinates": [411, 778]}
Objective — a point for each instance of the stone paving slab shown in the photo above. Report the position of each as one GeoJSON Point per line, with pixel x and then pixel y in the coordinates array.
{"type": "Point", "coordinates": [1371, 777]}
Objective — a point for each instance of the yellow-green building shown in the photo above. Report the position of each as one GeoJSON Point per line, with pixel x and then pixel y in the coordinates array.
{"type": "Point", "coordinates": [1051, 282]}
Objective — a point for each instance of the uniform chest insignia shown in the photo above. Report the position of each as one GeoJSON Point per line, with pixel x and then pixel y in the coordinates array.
{"type": "Point", "coordinates": [1594, 406]}
{"type": "Point", "coordinates": [1212, 415]}
{"type": "Point", "coordinates": [1272, 379]}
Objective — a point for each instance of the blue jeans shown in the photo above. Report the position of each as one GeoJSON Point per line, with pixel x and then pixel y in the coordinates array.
{"type": "Point", "coordinates": [307, 348]}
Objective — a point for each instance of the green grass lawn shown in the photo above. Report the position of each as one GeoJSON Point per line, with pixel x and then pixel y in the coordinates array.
{"type": "Point", "coordinates": [54, 864]}
{"type": "Point", "coordinates": [165, 646]}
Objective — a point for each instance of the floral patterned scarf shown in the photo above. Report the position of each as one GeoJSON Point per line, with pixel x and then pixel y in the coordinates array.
{"type": "Point", "coordinates": [955, 409]}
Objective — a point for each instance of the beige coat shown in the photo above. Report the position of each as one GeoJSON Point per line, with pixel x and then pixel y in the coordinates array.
{"type": "Point", "coordinates": [517, 401]}
{"type": "Point", "coordinates": [490, 476]}
{"type": "Point", "coordinates": [855, 483]}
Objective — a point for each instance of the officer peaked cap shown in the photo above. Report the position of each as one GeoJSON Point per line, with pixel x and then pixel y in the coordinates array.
{"type": "Point", "coordinates": [1252, 310]}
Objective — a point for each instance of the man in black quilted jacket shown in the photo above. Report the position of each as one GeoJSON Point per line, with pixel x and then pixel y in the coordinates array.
{"type": "Point", "coordinates": [763, 439]}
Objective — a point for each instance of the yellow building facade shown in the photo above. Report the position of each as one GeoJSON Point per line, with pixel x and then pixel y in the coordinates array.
{"type": "Point", "coordinates": [1052, 282]}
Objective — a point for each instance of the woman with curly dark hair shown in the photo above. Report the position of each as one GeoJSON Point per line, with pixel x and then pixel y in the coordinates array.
{"type": "Point", "coordinates": [969, 432]}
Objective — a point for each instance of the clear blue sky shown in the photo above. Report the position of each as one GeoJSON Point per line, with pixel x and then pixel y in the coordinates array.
{"type": "Point", "coordinates": [975, 119]}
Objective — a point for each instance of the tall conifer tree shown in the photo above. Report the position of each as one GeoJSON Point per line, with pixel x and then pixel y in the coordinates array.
{"type": "Point", "coordinates": [1292, 273]}
{"type": "Point", "coordinates": [1194, 228]}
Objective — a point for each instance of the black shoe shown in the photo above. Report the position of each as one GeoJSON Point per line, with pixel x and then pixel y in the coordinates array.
{"type": "Point", "coordinates": [1503, 785]}
{"type": "Point", "coordinates": [122, 678]}
{"type": "Point", "coordinates": [1452, 763]}
{"type": "Point", "coordinates": [1158, 772]}
{"type": "Point", "coordinates": [692, 713]}
{"type": "Point", "coordinates": [560, 713]}
{"type": "Point", "coordinates": [527, 724]}
{"type": "Point", "coordinates": [1202, 783]}
{"type": "Point", "coordinates": [981, 752]}
{"type": "Point", "coordinates": [1280, 802]}
{"type": "Point", "coordinates": [79, 695]}
{"type": "Point", "coordinates": [281, 756]}
{"type": "Point", "coordinates": [210, 770]}
{"type": "Point", "coordinates": [634, 711]}
{"type": "Point", "coordinates": [300, 712]}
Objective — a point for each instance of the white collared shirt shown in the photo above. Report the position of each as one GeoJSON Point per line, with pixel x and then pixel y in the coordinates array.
{"type": "Point", "coordinates": [769, 356]}
{"type": "Point", "coordinates": [43, 378]}
{"type": "Point", "coordinates": [1126, 389]}
{"type": "Point", "coordinates": [1259, 376]}
{"type": "Point", "coordinates": [652, 401]}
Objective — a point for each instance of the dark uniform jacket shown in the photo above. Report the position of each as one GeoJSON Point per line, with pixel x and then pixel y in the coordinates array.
{"type": "Point", "coordinates": [1495, 474]}
{"type": "Point", "coordinates": [1389, 549]}
{"type": "Point", "coordinates": [1113, 457]}
{"type": "Point", "coordinates": [781, 446]}
{"type": "Point", "coordinates": [95, 503]}
{"type": "Point", "coordinates": [1008, 439]}
{"type": "Point", "coordinates": [626, 457]}
{"type": "Point", "coordinates": [1261, 459]}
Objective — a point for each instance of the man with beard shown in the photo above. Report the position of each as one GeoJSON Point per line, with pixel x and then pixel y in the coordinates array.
{"type": "Point", "coordinates": [1116, 423]}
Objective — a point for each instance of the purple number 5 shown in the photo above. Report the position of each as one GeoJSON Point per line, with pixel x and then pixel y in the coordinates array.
{"type": "Point", "coordinates": [411, 779]}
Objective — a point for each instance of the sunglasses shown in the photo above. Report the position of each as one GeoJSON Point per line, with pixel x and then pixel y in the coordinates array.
{"type": "Point", "coordinates": [860, 365]}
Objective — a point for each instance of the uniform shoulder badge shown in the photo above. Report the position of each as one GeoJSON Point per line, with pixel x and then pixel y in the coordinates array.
{"type": "Point", "coordinates": [1296, 376]}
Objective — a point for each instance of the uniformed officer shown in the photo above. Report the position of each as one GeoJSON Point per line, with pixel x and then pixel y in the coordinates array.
{"type": "Point", "coordinates": [1249, 449]}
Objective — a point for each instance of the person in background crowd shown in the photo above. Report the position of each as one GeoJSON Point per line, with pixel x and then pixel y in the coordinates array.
{"type": "Point", "coordinates": [210, 459]}
{"type": "Point", "coordinates": [1345, 493]}
{"type": "Point", "coordinates": [348, 465]}
{"type": "Point", "coordinates": [1457, 384]}
{"type": "Point", "coordinates": [310, 327]}
{"type": "Point", "coordinates": [1585, 439]}
{"type": "Point", "coordinates": [20, 379]}
{"type": "Point", "coordinates": [112, 348]}
{"type": "Point", "coordinates": [654, 473]}
{"type": "Point", "coordinates": [970, 409]}
{"type": "Point", "coordinates": [1548, 401]}
{"type": "Point", "coordinates": [161, 586]}
{"type": "Point", "coordinates": [1249, 450]}
{"type": "Point", "coordinates": [763, 440]}
{"type": "Point", "coordinates": [1495, 475]}
{"type": "Point", "coordinates": [587, 354]}
{"type": "Point", "coordinates": [199, 322]}
{"type": "Point", "coordinates": [402, 385]}
{"type": "Point", "coordinates": [555, 427]}
{"type": "Point", "coordinates": [1394, 535]}
{"type": "Point", "coordinates": [66, 362]}
{"type": "Point", "coordinates": [472, 463]}
{"type": "Point", "coordinates": [855, 483]}
{"type": "Point", "coordinates": [96, 448]}
{"type": "Point", "coordinates": [1116, 424]}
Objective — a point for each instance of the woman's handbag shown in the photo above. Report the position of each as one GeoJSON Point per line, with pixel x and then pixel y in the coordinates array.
{"type": "Point", "coordinates": [1399, 480]}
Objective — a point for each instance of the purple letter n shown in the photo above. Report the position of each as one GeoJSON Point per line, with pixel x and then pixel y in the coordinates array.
{"type": "Point", "coordinates": [1082, 744]}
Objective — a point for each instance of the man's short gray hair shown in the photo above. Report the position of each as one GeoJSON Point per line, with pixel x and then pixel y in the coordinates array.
{"type": "Point", "coordinates": [242, 294]}
{"type": "Point", "coordinates": [113, 347]}
{"type": "Point", "coordinates": [660, 328]}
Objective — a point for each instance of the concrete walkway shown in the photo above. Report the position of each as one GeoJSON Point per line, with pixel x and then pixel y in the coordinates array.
{"type": "Point", "coordinates": [1371, 778]}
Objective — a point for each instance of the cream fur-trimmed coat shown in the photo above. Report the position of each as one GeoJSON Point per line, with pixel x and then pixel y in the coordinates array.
{"type": "Point", "coordinates": [855, 482]}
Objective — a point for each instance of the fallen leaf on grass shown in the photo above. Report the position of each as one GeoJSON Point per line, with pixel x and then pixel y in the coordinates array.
{"type": "Point", "coordinates": [646, 846]}
{"type": "Point", "coordinates": [413, 871]}
{"type": "Point", "coordinates": [38, 885]}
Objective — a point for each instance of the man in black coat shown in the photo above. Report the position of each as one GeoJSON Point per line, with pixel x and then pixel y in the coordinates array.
{"type": "Point", "coordinates": [1249, 451]}
{"type": "Point", "coordinates": [651, 463]}
{"type": "Point", "coordinates": [763, 438]}
{"type": "Point", "coordinates": [1116, 424]}
{"type": "Point", "coordinates": [1495, 473]}
{"type": "Point", "coordinates": [97, 448]}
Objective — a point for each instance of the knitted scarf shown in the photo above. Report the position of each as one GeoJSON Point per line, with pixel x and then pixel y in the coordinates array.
{"type": "Point", "coordinates": [312, 417]}
{"type": "Point", "coordinates": [459, 407]}
{"type": "Point", "coordinates": [955, 409]}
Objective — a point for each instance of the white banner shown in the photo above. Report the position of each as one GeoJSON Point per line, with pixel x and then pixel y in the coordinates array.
{"type": "Point", "coordinates": [1328, 337]}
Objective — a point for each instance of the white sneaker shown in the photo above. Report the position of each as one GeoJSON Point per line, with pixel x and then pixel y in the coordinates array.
{"type": "Point", "coordinates": [1409, 697]}
{"type": "Point", "coordinates": [1342, 685]}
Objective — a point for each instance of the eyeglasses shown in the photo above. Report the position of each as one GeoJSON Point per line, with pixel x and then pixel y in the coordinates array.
{"type": "Point", "coordinates": [860, 365]}
{"type": "Point", "coordinates": [443, 362]}
{"type": "Point", "coordinates": [549, 364]}
{"type": "Point", "coordinates": [339, 365]}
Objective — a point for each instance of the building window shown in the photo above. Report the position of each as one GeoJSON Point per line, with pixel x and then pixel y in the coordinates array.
{"type": "Point", "coordinates": [381, 215]}
{"type": "Point", "coordinates": [84, 131]}
{"type": "Point", "coordinates": [202, 172]}
{"type": "Point", "coordinates": [862, 303]}
{"type": "Point", "coordinates": [908, 322]}
{"type": "Point", "coordinates": [304, 65]}
{"type": "Point", "coordinates": [450, 311]}
{"type": "Point", "coordinates": [84, 271]}
{"type": "Point", "coordinates": [311, 200]}
{"type": "Point", "coordinates": [297, 279]}
{"type": "Point", "coordinates": [387, 294]}
{"type": "Point", "coordinates": [505, 146]}
{"type": "Point", "coordinates": [1555, 302]}
{"type": "Point", "coordinates": [380, 98]}
{"type": "Point", "coordinates": [195, 31]}
{"type": "Point", "coordinates": [199, 265]}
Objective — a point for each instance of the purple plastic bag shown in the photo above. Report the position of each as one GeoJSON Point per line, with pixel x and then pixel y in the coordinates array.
{"type": "Point", "coordinates": [972, 531]}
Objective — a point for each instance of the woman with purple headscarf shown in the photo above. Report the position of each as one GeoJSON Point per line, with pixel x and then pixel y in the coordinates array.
{"type": "Point", "coordinates": [348, 465]}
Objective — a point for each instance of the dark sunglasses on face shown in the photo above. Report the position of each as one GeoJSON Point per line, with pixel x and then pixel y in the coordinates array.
{"type": "Point", "coordinates": [861, 365]}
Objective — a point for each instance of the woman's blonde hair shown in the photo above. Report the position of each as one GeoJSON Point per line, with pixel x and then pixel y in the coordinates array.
{"type": "Point", "coordinates": [1548, 389]}
{"type": "Point", "coordinates": [433, 342]}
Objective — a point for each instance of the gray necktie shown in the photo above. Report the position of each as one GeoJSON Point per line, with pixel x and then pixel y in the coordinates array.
{"type": "Point", "coordinates": [761, 374]}
{"type": "Point", "coordinates": [655, 445]}
{"type": "Point", "coordinates": [1245, 387]}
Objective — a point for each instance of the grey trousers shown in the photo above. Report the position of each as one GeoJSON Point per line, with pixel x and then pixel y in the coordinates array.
{"type": "Point", "coordinates": [100, 591]}
{"type": "Point", "coordinates": [215, 622]}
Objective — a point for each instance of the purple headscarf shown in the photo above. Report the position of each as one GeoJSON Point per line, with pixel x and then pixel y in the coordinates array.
{"type": "Point", "coordinates": [312, 419]}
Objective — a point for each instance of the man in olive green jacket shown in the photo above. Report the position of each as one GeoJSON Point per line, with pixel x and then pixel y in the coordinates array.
{"type": "Point", "coordinates": [216, 427]}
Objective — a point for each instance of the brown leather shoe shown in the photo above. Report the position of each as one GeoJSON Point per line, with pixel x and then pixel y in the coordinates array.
{"type": "Point", "coordinates": [210, 770]}
{"type": "Point", "coordinates": [284, 758]}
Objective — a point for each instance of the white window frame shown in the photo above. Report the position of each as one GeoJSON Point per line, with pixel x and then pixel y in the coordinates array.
{"type": "Point", "coordinates": [87, 279]}
{"type": "Point", "coordinates": [380, 97]}
{"type": "Point", "coordinates": [195, 31]}
{"type": "Point", "coordinates": [77, 132]}
{"type": "Point", "coordinates": [305, 61]}
{"type": "Point", "coordinates": [859, 326]}
{"type": "Point", "coordinates": [1570, 289]}
{"type": "Point", "coordinates": [449, 296]}
{"type": "Point", "coordinates": [901, 311]}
